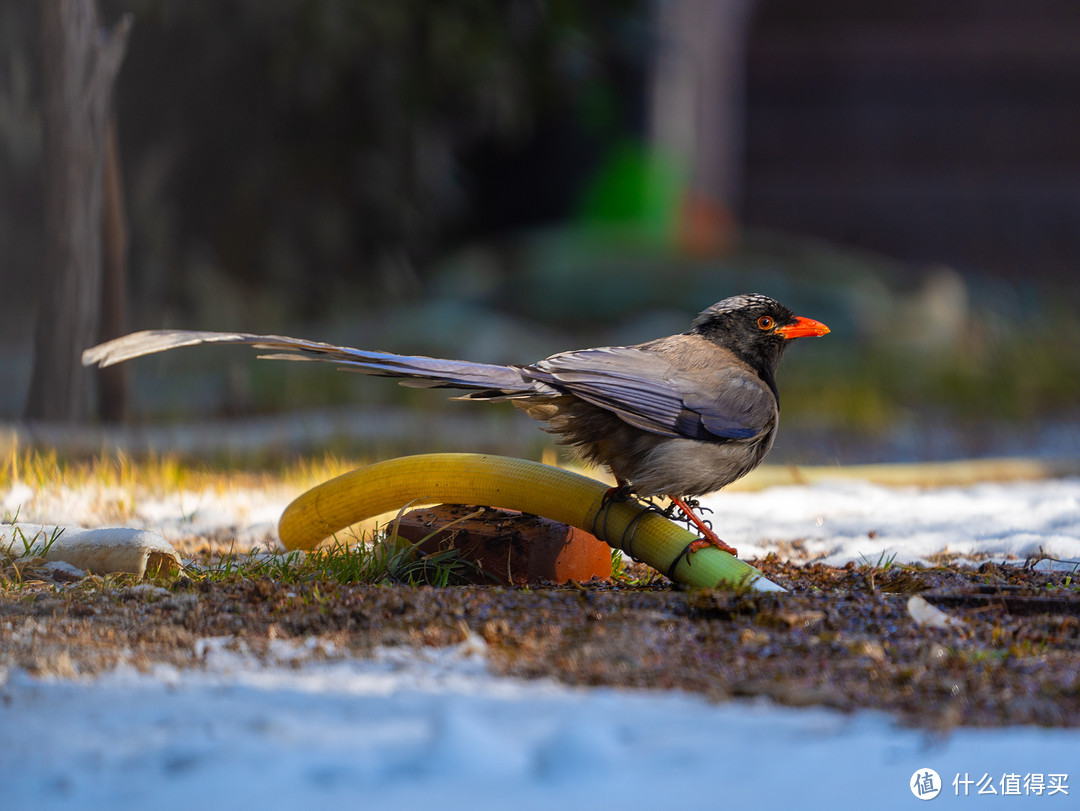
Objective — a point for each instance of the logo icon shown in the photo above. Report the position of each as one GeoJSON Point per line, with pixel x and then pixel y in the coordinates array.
{"type": "Point", "coordinates": [925, 784]}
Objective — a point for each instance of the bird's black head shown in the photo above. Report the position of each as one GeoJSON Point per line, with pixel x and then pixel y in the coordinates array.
{"type": "Point", "coordinates": [756, 328]}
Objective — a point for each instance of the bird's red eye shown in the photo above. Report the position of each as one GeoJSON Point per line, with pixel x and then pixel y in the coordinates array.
{"type": "Point", "coordinates": [765, 323]}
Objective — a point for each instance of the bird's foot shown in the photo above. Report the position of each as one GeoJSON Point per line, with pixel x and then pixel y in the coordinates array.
{"type": "Point", "coordinates": [714, 542]}
{"type": "Point", "coordinates": [710, 539]}
{"type": "Point", "coordinates": [623, 492]}
{"type": "Point", "coordinates": [620, 492]}
{"type": "Point", "coordinates": [686, 506]}
{"type": "Point", "coordinates": [708, 536]}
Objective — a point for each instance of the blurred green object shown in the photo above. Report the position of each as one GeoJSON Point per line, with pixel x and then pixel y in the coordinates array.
{"type": "Point", "coordinates": [637, 187]}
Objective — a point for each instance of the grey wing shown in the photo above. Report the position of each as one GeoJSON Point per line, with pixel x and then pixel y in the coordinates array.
{"type": "Point", "coordinates": [645, 390]}
{"type": "Point", "coordinates": [420, 371]}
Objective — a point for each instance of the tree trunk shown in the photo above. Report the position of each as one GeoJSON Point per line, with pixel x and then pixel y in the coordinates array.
{"type": "Point", "coordinates": [78, 70]}
{"type": "Point", "coordinates": [697, 108]}
{"type": "Point", "coordinates": [112, 381]}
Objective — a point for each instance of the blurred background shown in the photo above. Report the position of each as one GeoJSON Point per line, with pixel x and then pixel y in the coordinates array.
{"type": "Point", "coordinates": [498, 181]}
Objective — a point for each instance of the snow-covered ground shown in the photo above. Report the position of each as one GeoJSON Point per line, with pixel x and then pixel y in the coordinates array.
{"type": "Point", "coordinates": [837, 521]}
{"type": "Point", "coordinates": [830, 522]}
{"type": "Point", "coordinates": [434, 729]}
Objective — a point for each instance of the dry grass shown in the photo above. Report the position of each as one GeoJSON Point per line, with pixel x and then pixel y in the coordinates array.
{"type": "Point", "coordinates": [158, 473]}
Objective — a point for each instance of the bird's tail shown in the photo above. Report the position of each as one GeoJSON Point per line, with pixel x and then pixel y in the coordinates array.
{"type": "Point", "coordinates": [487, 380]}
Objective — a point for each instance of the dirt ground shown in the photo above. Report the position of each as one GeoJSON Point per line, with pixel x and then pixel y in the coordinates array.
{"type": "Point", "coordinates": [1009, 652]}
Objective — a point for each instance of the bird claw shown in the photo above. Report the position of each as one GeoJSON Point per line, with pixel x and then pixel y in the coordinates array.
{"type": "Point", "coordinates": [708, 537]}
{"type": "Point", "coordinates": [624, 492]}
{"type": "Point", "coordinates": [714, 542]}
{"type": "Point", "coordinates": [620, 492]}
{"type": "Point", "coordinates": [699, 544]}
{"type": "Point", "coordinates": [694, 505]}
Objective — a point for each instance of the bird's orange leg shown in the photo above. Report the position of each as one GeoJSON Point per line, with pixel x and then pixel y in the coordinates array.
{"type": "Point", "coordinates": [709, 538]}
{"type": "Point", "coordinates": [620, 492]}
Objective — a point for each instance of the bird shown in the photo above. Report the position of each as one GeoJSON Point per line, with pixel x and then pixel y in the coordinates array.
{"type": "Point", "coordinates": [679, 416]}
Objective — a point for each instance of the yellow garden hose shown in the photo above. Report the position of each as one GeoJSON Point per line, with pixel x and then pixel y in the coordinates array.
{"type": "Point", "coordinates": [512, 484]}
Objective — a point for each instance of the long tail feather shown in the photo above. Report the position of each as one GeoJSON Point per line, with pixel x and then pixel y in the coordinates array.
{"type": "Point", "coordinates": [424, 371]}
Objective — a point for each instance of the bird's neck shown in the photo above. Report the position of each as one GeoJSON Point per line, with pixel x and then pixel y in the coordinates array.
{"type": "Point", "coordinates": [764, 363]}
{"type": "Point", "coordinates": [762, 360]}
{"type": "Point", "coordinates": [769, 376]}
{"type": "Point", "coordinates": [765, 366]}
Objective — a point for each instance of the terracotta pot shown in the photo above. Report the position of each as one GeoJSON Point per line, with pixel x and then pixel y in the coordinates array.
{"type": "Point", "coordinates": [511, 548]}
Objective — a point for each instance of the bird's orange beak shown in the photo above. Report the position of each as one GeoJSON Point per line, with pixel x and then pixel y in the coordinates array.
{"type": "Point", "coordinates": [803, 328]}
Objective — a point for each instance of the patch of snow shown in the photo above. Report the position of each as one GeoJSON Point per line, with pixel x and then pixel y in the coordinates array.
{"type": "Point", "coordinates": [413, 729]}
{"type": "Point", "coordinates": [839, 521]}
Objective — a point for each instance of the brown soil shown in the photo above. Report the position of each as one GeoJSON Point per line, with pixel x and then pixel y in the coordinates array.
{"type": "Point", "coordinates": [842, 638]}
